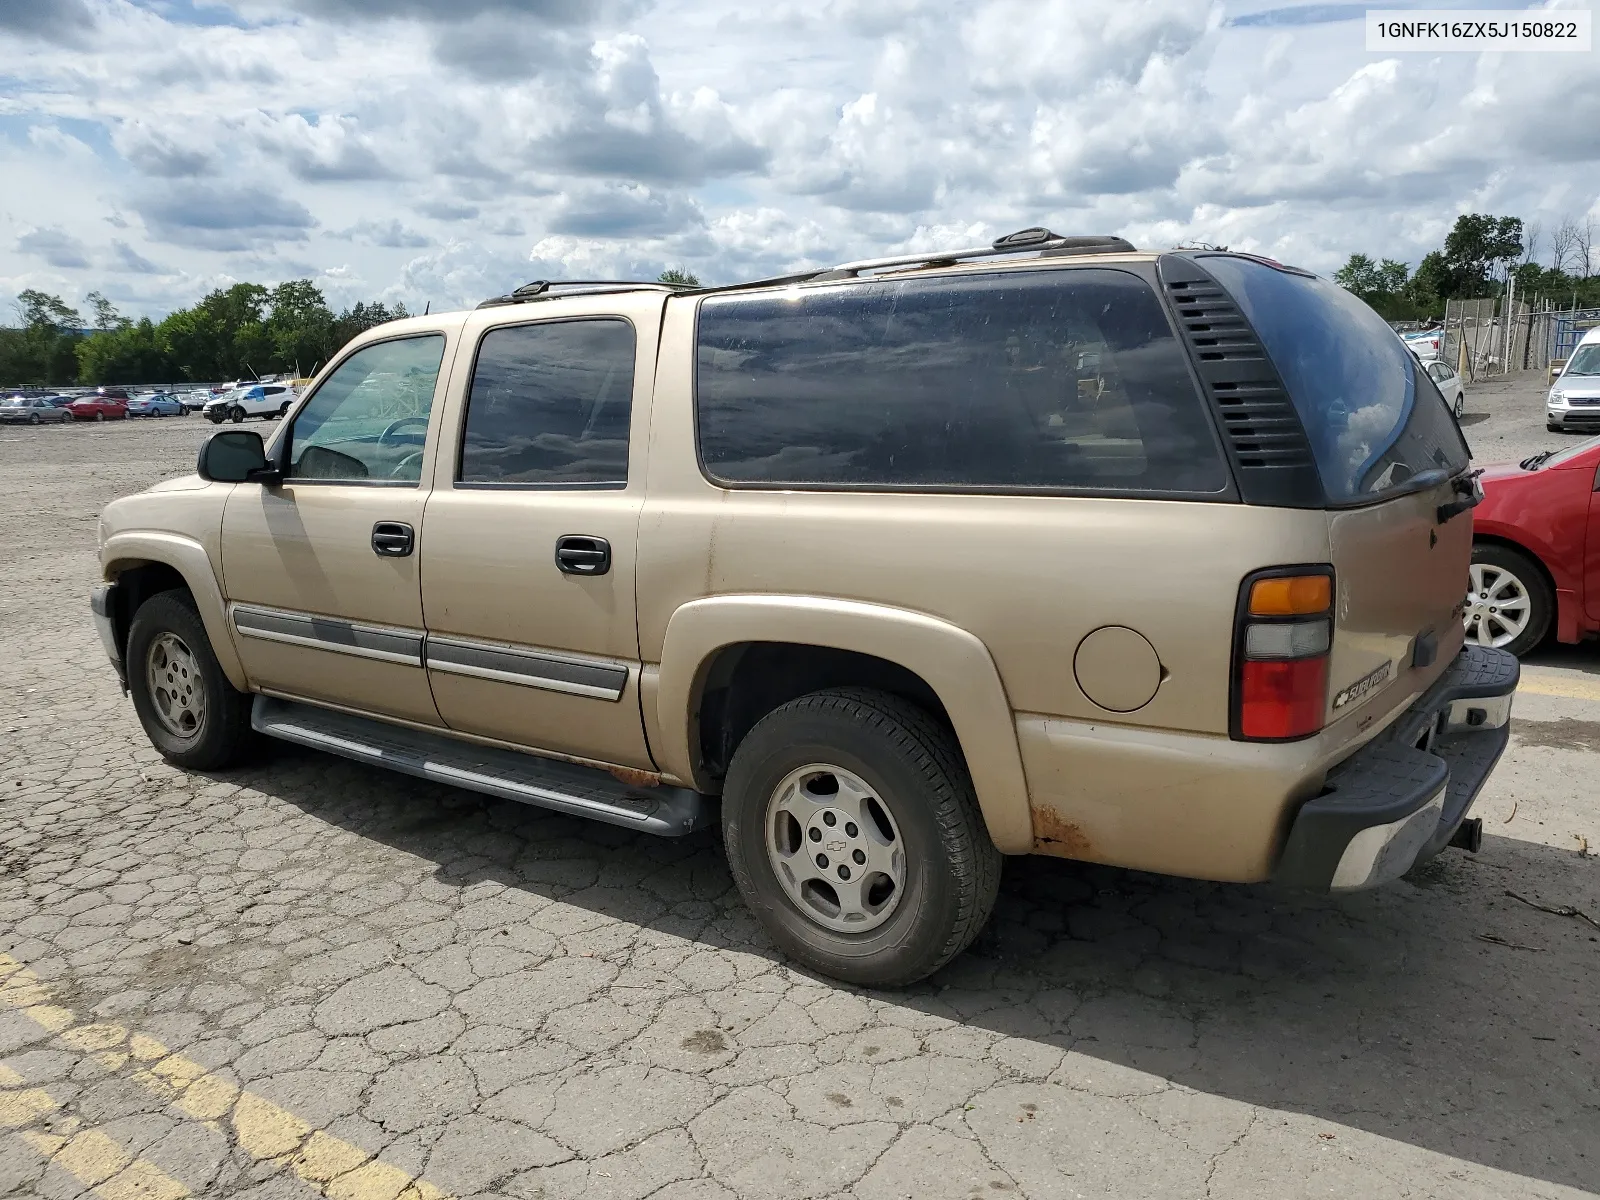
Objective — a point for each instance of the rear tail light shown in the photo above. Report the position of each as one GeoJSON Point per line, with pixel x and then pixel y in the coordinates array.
{"type": "Point", "coordinates": [1280, 654]}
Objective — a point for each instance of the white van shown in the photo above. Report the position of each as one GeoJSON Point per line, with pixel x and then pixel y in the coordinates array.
{"type": "Point", "coordinates": [1574, 400]}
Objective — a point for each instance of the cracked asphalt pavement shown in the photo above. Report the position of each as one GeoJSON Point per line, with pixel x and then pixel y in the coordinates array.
{"type": "Point", "coordinates": [307, 977]}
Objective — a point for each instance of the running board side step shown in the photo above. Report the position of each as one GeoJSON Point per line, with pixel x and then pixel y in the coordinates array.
{"type": "Point", "coordinates": [544, 782]}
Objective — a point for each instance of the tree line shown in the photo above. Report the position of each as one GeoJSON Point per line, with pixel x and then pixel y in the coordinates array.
{"type": "Point", "coordinates": [238, 332]}
{"type": "Point", "coordinates": [1482, 255]}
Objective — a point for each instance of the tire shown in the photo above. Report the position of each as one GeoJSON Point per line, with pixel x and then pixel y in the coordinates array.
{"type": "Point", "coordinates": [1552, 427]}
{"type": "Point", "coordinates": [1493, 562]}
{"type": "Point", "coordinates": [236, 414]}
{"type": "Point", "coordinates": [1461, 405]}
{"type": "Point", "coordinates": [33, 418]}
{"type": "Point", "coordinates": [914, 770]}
{"type": "Point", "coordinates": [222, 735]}
{"type": "Point", "coordinates": [283, 411]}
{"type": "Point", "coordinates": [100, 416]}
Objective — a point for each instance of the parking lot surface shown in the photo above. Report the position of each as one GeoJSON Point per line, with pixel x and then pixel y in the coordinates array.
{"type": "Point", "coordinates": [308, 978]}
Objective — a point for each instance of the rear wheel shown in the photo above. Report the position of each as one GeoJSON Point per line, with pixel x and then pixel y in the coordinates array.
{"type": "Point", "coordinates": [1509, 602]}
{"type": "Point", "coordinates": [33, 418]}
{"type": "Point", "coordinates": [100, 416]}
{"type": "Point", "coordinates": [854, 836]}
{"type": "Point", "coordinates": [189, 710]}
{"type": "Point", "coordinates": [1461, 404]}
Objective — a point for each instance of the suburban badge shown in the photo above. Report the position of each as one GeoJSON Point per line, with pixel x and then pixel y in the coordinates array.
{"type": "Point", "coordinates": [1362, 687]}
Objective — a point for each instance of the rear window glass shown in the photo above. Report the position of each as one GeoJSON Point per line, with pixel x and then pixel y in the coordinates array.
{"type": "Point", "coordinates": [551, 405]}
{"type": "Point", "coordinates": [1022, 380]}
{"type": "Point", "coordinates": [1375, 421]}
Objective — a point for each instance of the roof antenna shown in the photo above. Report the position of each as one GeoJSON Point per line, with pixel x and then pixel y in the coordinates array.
{"type": "Point", "coordinates": [427, 308]}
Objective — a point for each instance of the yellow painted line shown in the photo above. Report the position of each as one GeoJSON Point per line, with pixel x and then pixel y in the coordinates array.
{"type": "Point", "coordinates": [266, 1131]}
{"type": "Point", "coordinates": [89, 1156]}
{"type": "Point", "coordinates": [1565, 687]}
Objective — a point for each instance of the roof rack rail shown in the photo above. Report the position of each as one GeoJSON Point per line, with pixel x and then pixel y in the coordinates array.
{"type": "Point", "coordinates": [546, 289]}
{"type": "Point", "coordinates": [1033, 240]}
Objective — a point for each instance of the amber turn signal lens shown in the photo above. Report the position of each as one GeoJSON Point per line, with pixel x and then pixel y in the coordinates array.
{"type": "Point", "coordinates": [1290, 596]}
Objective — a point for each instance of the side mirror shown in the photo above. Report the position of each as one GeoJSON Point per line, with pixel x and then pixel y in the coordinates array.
{"type": "Point", "coordinates": [235, 456]}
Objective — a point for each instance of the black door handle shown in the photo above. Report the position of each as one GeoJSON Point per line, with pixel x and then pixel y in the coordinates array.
{"type": "Point", "coordinates": [579, 554]}
{"type": "Point", "coordinates": [392, 539]}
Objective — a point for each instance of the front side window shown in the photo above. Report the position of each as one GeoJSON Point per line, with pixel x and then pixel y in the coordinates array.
{"type": "Point", "coordinates": [1021, 380]}
{"type": "Point", "coordinates": [368, 420]}
{"type": "Point", "coordinates": [1375, 422]}
{"type": "Point", "coordinates": [550, 406]}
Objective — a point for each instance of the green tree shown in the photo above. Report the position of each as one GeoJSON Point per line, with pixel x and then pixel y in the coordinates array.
{"type": "Point", "coordinates": [106, 315]}
{"type": "Point", "coordinates": [131, 353]}
{"type": "Point", "coordinates": [43, 351]}
{"type": "Point", "coordinates": [301, 326]}
{"type": "Point", "coordinates": [359, 319]}
{"type": "Point", "coordinates": [679, 275]}
{"type": "Point", "coordinates": [224, 336]}
{"type": "Point", "coordinates": [1478, 244]}
{"type": "Point", "coordinates": [1380, 284]}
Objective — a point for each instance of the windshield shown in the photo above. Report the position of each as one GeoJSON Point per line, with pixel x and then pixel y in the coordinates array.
{"type": "Point", "coordinates": [1585, 361]}
{"type": "Point", "coordinates": [1375, 421]}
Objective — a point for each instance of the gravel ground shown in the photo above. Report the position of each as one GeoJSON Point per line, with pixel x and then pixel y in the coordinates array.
{"type": "Point", "coordinates": [310, 978]}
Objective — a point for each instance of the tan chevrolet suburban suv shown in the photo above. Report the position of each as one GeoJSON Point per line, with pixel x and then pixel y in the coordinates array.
{"type": "Point", "coordinates": [1050, 546]}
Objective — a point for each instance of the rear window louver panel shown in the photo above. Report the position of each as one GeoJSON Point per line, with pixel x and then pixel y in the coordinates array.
{"type": "Point", "coordinates": [1257, 418]}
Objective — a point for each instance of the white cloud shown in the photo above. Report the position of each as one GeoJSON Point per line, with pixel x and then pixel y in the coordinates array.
{"type": "Point", "coordinates": [447, 152]}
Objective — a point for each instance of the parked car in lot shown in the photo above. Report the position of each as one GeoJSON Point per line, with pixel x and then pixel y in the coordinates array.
{"type": "Point", "coordinates": [34, 410]}
{"type": "Point", "coordinates": [1449, 384]}
{"type": "Point", "coordinates": [103, 405]}
{"type": "Point", "coordinates": [195, 401]}
{"type": "Point", "coordinates": [1536, 551]}
{"type": "Point", "coordinates": [264, 400]}
{"type": "Point", "coordinates": [1574, 400]}
{"type": "Point", "coordinates": [1049, 546]}
{"type": "Point", "coordinates": [1426, 344]}
{"type": "Point", "coordinates": [155, 404]}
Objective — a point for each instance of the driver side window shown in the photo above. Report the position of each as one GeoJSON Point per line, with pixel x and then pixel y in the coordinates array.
{"type": "Point", "coordinates": [368, 421]}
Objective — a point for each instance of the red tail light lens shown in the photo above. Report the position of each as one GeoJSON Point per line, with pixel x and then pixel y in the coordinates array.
{"type": "Point", "coordinates": [1280, 653]}
{"type": "Point", "coordinates": [1280, 700]}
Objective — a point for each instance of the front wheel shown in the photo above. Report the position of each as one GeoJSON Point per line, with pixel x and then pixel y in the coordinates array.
{"type": "Point", "coordinates": [1509, 602]}
{"type": "Point", "coordinates": [33, 418]}
{"type": "Point", "coordinates": [99, 416]}
{"type": "Point", "coordinates": [1552, 427]}
{"type": "Point", "coordinates": [236, 414]}
{"type": "Point", "coordinates": [189, 710]}
{"type": "Point", "coordinates": [854, 835]}
{"type": "Point", "coordinates": [1461, 405]}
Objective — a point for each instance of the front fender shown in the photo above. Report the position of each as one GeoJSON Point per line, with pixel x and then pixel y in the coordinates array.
{"type": "Point", "coordinates": [140, 547]}
{"type": "Point", "coordinates": [954, 663]}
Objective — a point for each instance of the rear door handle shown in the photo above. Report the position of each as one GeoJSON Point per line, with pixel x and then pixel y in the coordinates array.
{"type": "Point", "coordinates": [580, 554]}
{"type": "Point", "coordinates": [393, 539]}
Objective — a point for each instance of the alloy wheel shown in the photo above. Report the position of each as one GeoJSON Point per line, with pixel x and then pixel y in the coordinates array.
{"type": "Point", "coordinates": [176, 691]}
{"type": "Point", "coordinates": [835, 848]}
{"type": "Point", "coordinates": [1498, 608]}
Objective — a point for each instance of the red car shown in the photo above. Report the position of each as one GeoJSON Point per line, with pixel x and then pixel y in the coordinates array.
{"type": "Point", "coordinates": [102, 406]}
{"type": "Point", "coordinates": [1536, 551]}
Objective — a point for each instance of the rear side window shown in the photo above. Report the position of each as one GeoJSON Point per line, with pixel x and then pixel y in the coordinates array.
{"type": "Point", "coordinates": [550, 406]}
{"type": "Point", "coordinates": [1064, 379]}
{"type": "Point", "coordinates": [1375, 421]}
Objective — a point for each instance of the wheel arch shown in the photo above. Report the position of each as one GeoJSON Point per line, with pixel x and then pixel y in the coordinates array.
{"type": "Point", "coordinates": [1565, 617]}
{"type": "Point", "coordinates": [931, 661]}
{"type": "Point", "coordinates": [143, 563]}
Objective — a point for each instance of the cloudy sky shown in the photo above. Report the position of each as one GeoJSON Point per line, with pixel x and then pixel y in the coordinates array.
{"type": "Point", "coordinates": [439, 151]}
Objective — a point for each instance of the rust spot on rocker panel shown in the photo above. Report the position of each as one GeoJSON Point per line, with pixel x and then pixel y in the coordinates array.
{"type": "Point", "coordinates": [1053, 834]}
{"type": "Point", "coordinates": [635, 778]}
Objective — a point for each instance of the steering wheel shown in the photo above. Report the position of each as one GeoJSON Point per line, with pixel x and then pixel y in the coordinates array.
{"type": "Point", "coordinates": [404, 468]}
{"type": "Point", "coordinates": [395, 426]}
